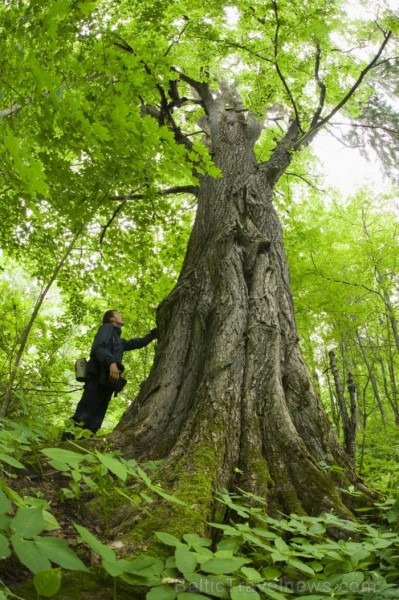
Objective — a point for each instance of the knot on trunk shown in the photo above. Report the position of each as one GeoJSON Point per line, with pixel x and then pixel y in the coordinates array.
{"type": "Point", "coordinates": [252, 246]}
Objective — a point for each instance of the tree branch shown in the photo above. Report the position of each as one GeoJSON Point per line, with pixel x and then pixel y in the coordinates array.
{"type": "Point", "coordinates": [282, 154]}
{"type": "Point", "coordinates": [279, 72]}
{"type": "Point", "coordinates": [117, 211]}
{"type": "Point", "coordinates": [180, 189]}
{"type": "Point", "coordinates": [164, 114]}
{"type": "Point", "coordinates": [343, 281]}
{"type": "Point", "coordinates": [308, 135]}
{"type": "Point", "coordinates": [200, 87]}
{"type": "Point", "coordinates": [322, 88]}
{"type": "Point", "coordinates": [292, 174]}
{"type": "Point", "coordinates": [365, 126]}
{"type": "Point", "coordinates": [176, 40]}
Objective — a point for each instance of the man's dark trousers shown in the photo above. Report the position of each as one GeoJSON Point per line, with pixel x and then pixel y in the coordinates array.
{"type": "Point", "coordinates": [93, 405]}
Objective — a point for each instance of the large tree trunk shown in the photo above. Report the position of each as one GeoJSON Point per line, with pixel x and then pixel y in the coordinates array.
{"type": "Point", "coordinates": [229, 401]}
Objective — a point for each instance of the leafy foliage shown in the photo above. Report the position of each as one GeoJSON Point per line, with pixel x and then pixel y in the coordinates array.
{"type": "Point", "coordinates": [273, 558]}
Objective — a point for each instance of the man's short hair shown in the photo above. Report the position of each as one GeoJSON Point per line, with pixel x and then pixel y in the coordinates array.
{"type": "Point", "coordinates": [107, 316]}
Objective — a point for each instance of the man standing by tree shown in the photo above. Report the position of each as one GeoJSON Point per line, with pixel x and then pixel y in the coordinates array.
{"type": "Point", "coordinates": [104, 372]}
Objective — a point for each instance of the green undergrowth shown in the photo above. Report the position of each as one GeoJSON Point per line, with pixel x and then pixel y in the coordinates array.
{"type": "Point", "coordinates": [247, 555]}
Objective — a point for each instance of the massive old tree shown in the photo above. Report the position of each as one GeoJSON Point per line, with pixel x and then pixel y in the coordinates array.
{"type": "Point", "coordinates": [229, 401]}
{"type": "Point", "coordinates": [222, 97]}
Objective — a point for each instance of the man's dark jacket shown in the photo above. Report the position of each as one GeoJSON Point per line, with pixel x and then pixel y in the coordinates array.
{"type": "Point", "coordinates": [108, 347]}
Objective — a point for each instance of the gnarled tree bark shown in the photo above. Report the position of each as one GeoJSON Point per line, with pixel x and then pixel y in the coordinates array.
{"type": "Point", "coordinates": [229, 401]}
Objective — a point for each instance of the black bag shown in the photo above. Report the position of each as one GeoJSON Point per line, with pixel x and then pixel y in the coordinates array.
{"type": "Point", "coordinates": [81, 373]}
{"type": "Point", "coordinates": [116, 386]}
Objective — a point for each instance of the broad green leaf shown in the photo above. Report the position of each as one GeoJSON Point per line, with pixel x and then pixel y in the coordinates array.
{"type": "Point", "coordinates": [12, 494]}
{"type": "Point", "coordinates": [224, 565]}
{"type": "Point", "coordinates": [317, 529]}
{"type": "Point", "coordinates": [5, 504]}
{"type": "Point", "coordinates": [101, 549]}
{"type": "Point", "coordinates": [115, 568]}
{"type": "Point", "coordinates": [244, 592]}
{"type": "Point", "coordinates": [270, 593]}
{"type": "Point", "coordinates": [4, 547]}
{"type": "Point", "coordinates": [113, 464]}
{"type": "Point", "coordinates": [27, 552]}
{"type": "Point", "coordinates": [48, 582]}
{"type": "Point", "coordinates": [10, 460]}
{"type": "Point", "coordinates": [168, 539]}
{"type": "Point", "coordinates": [191, 596]}
{"type": "Point", "coordinates": [230, 543]}
{"type": "Point", "coordinates": [28, 522]}
{"type": "Point", "coordinates": [271, 573]}
{"type": "Point", "coordinates": [58, 551]}
{"type": "Point", "coordinates": [62, 456]}
{"type": "Point", "coordinates": [214, 585]}
{"type": "Point", "coordinates": [355, 577]}
{"type": "Point", "coordinates": [186, 561]}
{"type": "Point", "coordinates": [193, 539]}
{"type": "Point", "coordinates": [50, 522]}
{"type": "Point", "coordinates": [146, 567]}
{"type": "Point", "coordinates": [314, 597]}
{"type": "Point", "coordinates": [161, 592]}
{"type": "Point", "coordinates": [251, 574]}
{"type": "Point", "coordinates": [169, 497]}
{"type": "Point", "coordinates": [297, 564]}
{"type": "Point", "coordinates": [282, 546]}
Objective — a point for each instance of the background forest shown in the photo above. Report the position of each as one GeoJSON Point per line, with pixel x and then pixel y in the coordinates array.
{"type": "Point", "coordinates": [343, 257]}
{"type": "Point", "coordinates": [96, 211]}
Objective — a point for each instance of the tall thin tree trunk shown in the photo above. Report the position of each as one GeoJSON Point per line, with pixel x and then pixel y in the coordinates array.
{"type": "Point", "coordinates": [348, 422]}
{"type": "Point", "coordinates": [28, 328]}
{"type": "Point", "coordinates": [373, 380]}
{"type": "Point", "coordinates": [350, 444]}
{"type": "Point", "coordinates": [334, 410]}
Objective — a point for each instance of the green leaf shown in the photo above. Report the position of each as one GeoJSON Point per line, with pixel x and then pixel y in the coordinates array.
{"type": "Point", "coordinates": [169, 497]}
{"type": "Point", "coordinates": [116, 567]}
{"type": "Point", "coordinates": [113, 464]}
{"type": "Point", "coordinates": [168, 539]}
{"type": "Point", "coordinates": [14, 496]}
{"type": "Point", "coordinates": [4, 547]}
{"type": "Point", "coordinates": [193, 539]}
{"type": "Point", "coordinates": [50, 522]}
{"type": "Point", "coordinates": [161, 592]}
{"type": "Point", "coordinates": [271, 573]}
{"type": "Point", "coordinates": [355, 577]}
{"type": "Point", "coordinates": [59, 455]}
{"type": "Point", "coordinates": [10, 460]}
{"type": "Point", "coordinates": [282, 546]}
{"type": "Point", "coordinates": [58, 551]}
{"type": "Point", "coordinates": [251, 574]}
{"type": "Point", "coordinates": [297, 564]}
{"type": "Point", "coordinates": [317, 529]}
{"type": "Point", "coordinates": [26, 550]}
{"type": "Point", "coordinates": [191, 596]}
{"type": "Point", "coordinates": [213, 585]}
{"type": "Point", "coordinates": [224, 565]}
{"type": "Point", "coordinates": [230, 543]}
{"type": "Point", "coordinates": [48, 582]}
{"type": "Point", "coordinates": [28, 522]}
{"type": "Point", "coordinates": [5, 504]}
{"type": "Point", "coordinates": [273, 594]}
{"type": "Point", "coordinates": [314, 597]}
{"type": "Point", "coordinates": [95, 544]}
{"type": "Point", "coordinates": [244, 592]}
{"type": "Point", "coordinates": [186, 561]}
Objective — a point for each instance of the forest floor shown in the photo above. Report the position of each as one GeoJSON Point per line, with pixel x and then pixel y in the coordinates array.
{"type": "Point", "coordinates": [47, 483]}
